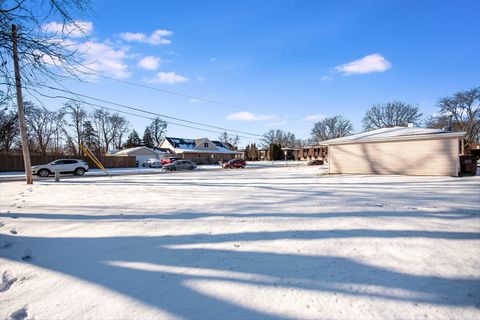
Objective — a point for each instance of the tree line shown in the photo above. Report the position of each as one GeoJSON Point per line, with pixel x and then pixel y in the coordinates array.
{"type": "Point", "coordinates": [461, 110]}
{"type": "Point", "coordinates": [62, 131]}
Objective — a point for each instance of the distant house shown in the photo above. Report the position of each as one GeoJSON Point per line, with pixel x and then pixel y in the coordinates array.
{"type": "Point", "coordinates": [143, 153]}
{"type": "Point", "coordinates": [263, 154]}
{"type": "Point", "coordinates": [397, 150]}
{"type": "Point", "coordinates": [201, 151]}
{"type": "Point", "coordinates": [306, 153]}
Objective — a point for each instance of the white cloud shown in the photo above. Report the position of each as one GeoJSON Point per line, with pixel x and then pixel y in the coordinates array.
{"type": "Point", "coordinates": [156, 38]}
{"type": "Point", "coordinates": [101, 57]}
{"type": "Point", "coordinates": [248, 116]}
{"type": "Point", "coordinates": [150, 63]}
{"type": "Point", "coordinates": [75, 29]}
{"type": "Point", "coordinates": [213, 59]}
{"type": "Point", "coordinates": [167, 77]}
{"type": "Point", "coordinates": [94, 56]}
{"type": "Point", "coordinates": [368, 64]}
{"type": "Point", "coordinates": [314, 117]}
{"type": "Point", "coordinates": [326, 78]}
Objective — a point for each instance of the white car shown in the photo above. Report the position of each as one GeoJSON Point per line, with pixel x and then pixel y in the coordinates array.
{"type": "Point", "coordinates": [152, 163]}
{"type": "Point", "coordinates": [75, 166]}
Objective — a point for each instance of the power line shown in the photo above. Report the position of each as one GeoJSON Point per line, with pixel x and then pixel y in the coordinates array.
{"type": "Point", "coordinates": [145, 111]}
{"type": "Point", "coordinates": [133, 114]}
{"type": "Point", "coordinates": [179, 94]}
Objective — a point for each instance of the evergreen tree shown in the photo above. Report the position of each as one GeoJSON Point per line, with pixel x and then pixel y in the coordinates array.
{"type": "Point", "coordinates": [247, 153]}
{"type": "Point", "coordinates": [90, 137]}
{"type": "Point", "coordinates": [133, 140]}
{"type": "Point", "coordinates": [148, 138]}
{"type": "Point", "coordinates": [254, 152]}
{"type": "Point", "coordinates": [275, 151]}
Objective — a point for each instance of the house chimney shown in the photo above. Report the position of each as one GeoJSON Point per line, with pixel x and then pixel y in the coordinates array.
{"type": "Point", "coordinates": [449, 126]}
{"type": "Point", "coordinates": [410, 125]}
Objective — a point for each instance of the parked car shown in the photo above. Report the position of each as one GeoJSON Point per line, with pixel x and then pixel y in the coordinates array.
{"type": "Point", "coordinates": [75, 166]}
{"type": "Point", "coordinates": [315, 163]}
{"type": "Point", "coordinates": [152, 163]}
{"type": "Point", "coordinates": [235, 163]}
{"type": "Point", "coordinates": [180, 165]}
{"type": "Point", "coordinates": [165, 161]}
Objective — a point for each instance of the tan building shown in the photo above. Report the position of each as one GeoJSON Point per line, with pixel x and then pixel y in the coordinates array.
{"type": "Point", "coordinates": [200, 151]}
{"type": "Point", "coordinates": [397, 150]}
{"type": "Point", "coordinates": [142, 154]}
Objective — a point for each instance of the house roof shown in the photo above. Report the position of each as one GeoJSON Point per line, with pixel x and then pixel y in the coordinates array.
{"type": "Point", "coordinates": [182, 145]}
{"type": "Point", "coordinates": [394, 133]}
{"type": "Point", "coordinates": [133, 150]}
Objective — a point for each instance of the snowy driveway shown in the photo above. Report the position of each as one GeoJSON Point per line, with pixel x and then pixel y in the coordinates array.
{"type": "Point", "coordinates": [276, 243]}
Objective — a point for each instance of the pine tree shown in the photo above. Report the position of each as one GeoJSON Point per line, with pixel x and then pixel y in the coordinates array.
{"type": "Point", "coordinates": [90, 137]}
{"type": "Point", "coordinates": [254, 152]}
{"type": "Point", "coordinates": [148, 138]}
{"type": "Point", "coordinates": [275, 151]}
{"type": "Point", "coordinates": [133, 140]}
{"type": "Point", "coordinates": [247, 153]}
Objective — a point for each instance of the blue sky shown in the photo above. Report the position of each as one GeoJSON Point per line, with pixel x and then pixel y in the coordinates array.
{"type": "Point", "coordinates": [285, 63]}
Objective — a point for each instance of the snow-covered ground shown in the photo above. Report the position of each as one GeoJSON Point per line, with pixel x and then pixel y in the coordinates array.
{"type": "Point", "coordinates": [273, 243]}
{"type": "Point", "coordinates": [20, 175]}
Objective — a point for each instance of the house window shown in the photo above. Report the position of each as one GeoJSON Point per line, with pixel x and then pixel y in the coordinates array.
{"type": "Point", "coordinates": [205, 144]}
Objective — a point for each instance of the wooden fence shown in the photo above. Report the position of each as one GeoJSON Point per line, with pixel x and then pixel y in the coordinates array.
{"type": "Point", "coordinates": [14, 162]}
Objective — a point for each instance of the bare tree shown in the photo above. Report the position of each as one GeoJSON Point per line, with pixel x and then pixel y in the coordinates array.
{"type": "Point", "coordinates": [110, 128]}
{"type": "Point", "coordinates": [391, 114]}
{"type": "Point", "coordinates": [158, 128]}
{"type": "Point", "coordinates": [464, 107]}
{"type": "Point", "coordinates": [280, 137]}
{"type": "Point", "coordinates": [74, 127]}
{"type": "Point", "coordinates": [38, 47]}
{"type": "Point", "coordinates": [331, 128]}
{"type": "Point", "coordinates": [8, 128]}
{"type": "Point", "coordinates": [42, 125]}
{"type": "Point", "coordinates": [120, 127]}
{"type": "Point", "coordinates": [103, 126]}
{"type": "Point", "coordinates": [230, 141]}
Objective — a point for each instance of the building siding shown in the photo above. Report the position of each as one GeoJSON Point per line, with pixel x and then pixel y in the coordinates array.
{"type": "Point", "coordinates": [414, 157]}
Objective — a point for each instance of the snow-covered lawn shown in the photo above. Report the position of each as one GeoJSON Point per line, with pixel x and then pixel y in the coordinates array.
{"type": "Point", "coordinates": [268, 243]}
{"type": "Point", "coordinates": [20, 175]}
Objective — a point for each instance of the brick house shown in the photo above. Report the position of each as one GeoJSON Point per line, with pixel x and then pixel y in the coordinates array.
{"type": "Point", "coordinates": [200, 151]}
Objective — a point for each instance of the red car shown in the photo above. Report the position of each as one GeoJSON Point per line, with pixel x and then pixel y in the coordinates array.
{"type": "Point", "coordinates": [235, 163]}
{"type": "Point", "coordinates": [167, 160]}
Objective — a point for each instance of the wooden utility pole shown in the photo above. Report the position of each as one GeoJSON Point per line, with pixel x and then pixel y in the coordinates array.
{"type": "Point", "coordinates": [21, 114]}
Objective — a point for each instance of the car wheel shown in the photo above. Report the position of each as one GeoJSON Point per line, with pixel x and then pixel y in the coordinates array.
{"type": "Point", "coordinates": [43, 173]}
{"type": "Point", "coordinates": [243, 167]}
{"type": "Point", "coordinates": [173, 169]}
{"type": "Point", "coordinates": [79, 172]}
